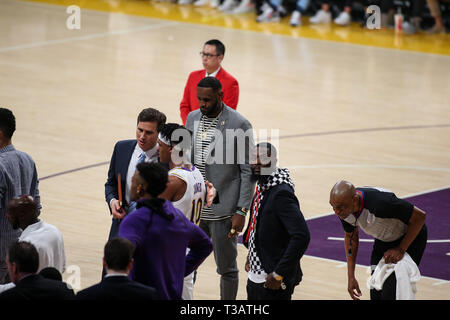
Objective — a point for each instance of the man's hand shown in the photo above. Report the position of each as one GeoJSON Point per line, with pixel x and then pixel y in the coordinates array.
{"type": "Point", "coordinates": [237, 224]}
{"type": "Point", "coordinates": [117, 211]}
{"type": "Point", "coordinates": [394, 255]}
{"type": "Point", "coordinates": [272, 283]}
{"type": "Point", "coordinates": [247, 264]}
{"type": "Point", "coordinates": [353, 289]}
{"type": "Point", "coordinates": [211, 193]}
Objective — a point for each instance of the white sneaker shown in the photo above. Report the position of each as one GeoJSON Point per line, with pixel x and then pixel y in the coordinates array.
{"type": "Point", "coordinates": [268, 15]}
{"type": "Point", "coordinates": [321, 17]}
{"type": "Point", "coordinates": [244, 7]}
{"type": "Point", "coordinates": [201, 2]}
{"type": "Point", "coordinates": [295, 19]}
{"type": "Point", "coordinates": [343, 19]}
{"type": "Point", "coordinates": [227, 5]}
{"type": "Point", "coordinates": [184, 1]}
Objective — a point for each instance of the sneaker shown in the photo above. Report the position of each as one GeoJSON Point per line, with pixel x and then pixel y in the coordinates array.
{"type": "Point", "coordinates": [201, 3]}
{"type": "Point", "coordinates": [321, 17]}
{"type": "Point", "coordinates": [244, 7]}
{"type": "Point", "coordinates": [268, 15]}
{"type": "Point", "coordinates": [184, 1]}
{"type": "Point", "coordinates": [343, 19]}
{"type": "Point", "coordinates": [408, 28]}
{"type": "Point", "coordinates": [295, 19]}
{"type": "Point", "coordinates": [436, 30]}
{"type": "Point", "coordinates": [227, 5]}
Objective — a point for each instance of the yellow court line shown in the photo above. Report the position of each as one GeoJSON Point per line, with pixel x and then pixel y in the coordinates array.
{"type": "Point", "coordinates": [437, 44]}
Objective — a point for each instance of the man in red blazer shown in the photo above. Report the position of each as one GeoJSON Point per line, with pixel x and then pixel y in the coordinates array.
{"type": "Point", "coordinates": [212, 56]}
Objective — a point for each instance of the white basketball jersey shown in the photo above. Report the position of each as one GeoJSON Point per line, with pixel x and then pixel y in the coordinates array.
{"type": "Point", "coordinates": [191, 204]}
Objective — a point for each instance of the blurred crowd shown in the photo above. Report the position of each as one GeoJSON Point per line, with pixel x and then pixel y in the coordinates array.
{"type": "Point", "coordinates": [430, 16]}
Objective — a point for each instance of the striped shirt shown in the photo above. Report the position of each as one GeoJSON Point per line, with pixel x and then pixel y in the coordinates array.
{"type": "Point", "coordinates": [203, 139]}
{"type": "Point", "coordinates": [18, 176]}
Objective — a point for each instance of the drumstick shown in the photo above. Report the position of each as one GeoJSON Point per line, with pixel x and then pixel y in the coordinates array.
{"type": "Point", "coordinates": [119, 188]}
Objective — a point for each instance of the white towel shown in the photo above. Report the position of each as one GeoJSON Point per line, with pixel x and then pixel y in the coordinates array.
{"type": "Point", "coordinates": [406, 272]}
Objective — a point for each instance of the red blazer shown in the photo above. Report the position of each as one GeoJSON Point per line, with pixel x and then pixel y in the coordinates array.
{"type": "Point", "coordinates": [230, 88]}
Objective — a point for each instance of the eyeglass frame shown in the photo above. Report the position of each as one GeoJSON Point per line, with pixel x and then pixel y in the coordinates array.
{"type": "Point", "coordinates": [208, 55]}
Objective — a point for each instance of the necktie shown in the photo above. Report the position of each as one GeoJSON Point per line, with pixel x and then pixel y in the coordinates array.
{"type": "Point", "coordinates": [141, 158]}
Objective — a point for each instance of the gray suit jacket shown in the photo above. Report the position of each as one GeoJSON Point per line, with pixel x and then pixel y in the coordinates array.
{"type": "Point", "coordinates": [227, 165]}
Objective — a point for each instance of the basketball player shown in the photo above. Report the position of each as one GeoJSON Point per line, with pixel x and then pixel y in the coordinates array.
{"type": "Point", "coordinates": [186, 188]}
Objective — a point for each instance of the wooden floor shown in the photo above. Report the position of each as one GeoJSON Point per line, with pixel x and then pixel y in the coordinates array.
{"type": "Point", "coordinates": [373, 115]}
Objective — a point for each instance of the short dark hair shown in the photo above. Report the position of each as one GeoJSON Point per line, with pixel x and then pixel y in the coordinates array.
{"type": "Point", "coordinates": [118, 253]}
{"type": "Point", "coordinates": [7, 122]}
{"type": "Point", "coordinates": [25, 256]}
{"type": "Point", "coordinates": [24, 203]}
{"type": "Point", "coordinates": [168, 129]}
{"type": "Point", "coordinates": [210, 82]}
{"type": "Point", "coordinates": [152, 115]}
{"type": "Point", "coordinates": [220, 47]}
{"type": "Point", "coordinates": [51, 273]}
{"type": "Point", "coordinates": [155, 175]}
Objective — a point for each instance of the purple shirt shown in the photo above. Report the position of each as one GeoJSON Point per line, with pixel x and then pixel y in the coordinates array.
{"type": "Point", "coordinates": [160, 242]}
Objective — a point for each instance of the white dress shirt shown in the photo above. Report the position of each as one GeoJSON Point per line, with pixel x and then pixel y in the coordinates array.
{"type": "Point", "coordinates": [214, 74]}
{"type": "Point", "coordinates": [150, 156]}
{"type": "Point", "coordinates": [49, 243]}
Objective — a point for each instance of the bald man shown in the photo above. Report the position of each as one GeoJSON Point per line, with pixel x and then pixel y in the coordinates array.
{"type": "Point", "coordinates": [396, 225]}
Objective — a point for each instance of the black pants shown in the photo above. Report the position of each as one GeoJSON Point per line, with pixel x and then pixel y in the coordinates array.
{"type": "Point", "coordinates": [256, 291]}
{"type": "Point", "coordinates": [415, 250]}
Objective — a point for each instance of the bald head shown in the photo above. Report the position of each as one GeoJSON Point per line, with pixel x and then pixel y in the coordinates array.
{"type": "Point", "coordinates": [343, 190]}
{"type": "Point", "coordinates": [344, 199]}
{"type": "Point", "coordinates": [22, 211]}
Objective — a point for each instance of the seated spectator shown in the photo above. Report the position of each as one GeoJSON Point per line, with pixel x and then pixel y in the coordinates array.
{"type": "Point", "coordinates": [435, 11]}
{"type": "Point", "coordinates": [23, 213]}
{"type": "Point", "coordinates": [118, 261]}
{"type": "Point", "coordinates": [413, 17]}
{"type": "Point", "coordinates": [23, 262]}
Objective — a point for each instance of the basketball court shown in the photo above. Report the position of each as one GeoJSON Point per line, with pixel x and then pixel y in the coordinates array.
{"type": "Point", "coordinates": [367, 106]}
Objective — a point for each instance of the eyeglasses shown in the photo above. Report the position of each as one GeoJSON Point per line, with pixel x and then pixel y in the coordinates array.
{"type": "Point", "coordinates": [208, 55]}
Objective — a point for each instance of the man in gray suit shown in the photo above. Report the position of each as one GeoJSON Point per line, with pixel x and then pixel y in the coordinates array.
{"type": "Point", "coordinates": [18, 176]}
{"type": "Point", "coordinates": [221, 147]}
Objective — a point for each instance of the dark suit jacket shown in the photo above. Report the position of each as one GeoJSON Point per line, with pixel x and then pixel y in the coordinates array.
{"type": "Point", "coordinates": [123, 150]}
{"type": "Point", "coordinates": [118, 288]}
{"type": "Point", "coordinates": [282, 235]}
{"type": "Point", "coordinates": [36, 287]}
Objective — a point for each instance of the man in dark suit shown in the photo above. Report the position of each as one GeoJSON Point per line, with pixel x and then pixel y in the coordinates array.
{"type": "Point", "coordinates": [118, 261]}
{"type": "Point", "coordinates": [23, 263]}
{"type": "Point", "coordinates": [277, 234]}
{"type": "Point", "coordinates": [127, 154]}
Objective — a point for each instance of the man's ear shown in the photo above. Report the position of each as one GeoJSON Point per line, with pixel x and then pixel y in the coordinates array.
{"type": "Point", "coordinates": [130, 265]}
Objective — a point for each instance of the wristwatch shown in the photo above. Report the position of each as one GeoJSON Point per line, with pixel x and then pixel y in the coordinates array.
{"type": "Point", "coordinates": [242, 211]}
